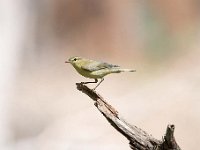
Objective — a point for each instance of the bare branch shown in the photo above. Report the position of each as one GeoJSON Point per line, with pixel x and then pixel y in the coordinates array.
{"type": "Point", "coordinates": [138, 139]}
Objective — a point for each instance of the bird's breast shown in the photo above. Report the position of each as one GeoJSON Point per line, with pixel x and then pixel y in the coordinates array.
{"type": "Point", "coordinates": [92, 74]}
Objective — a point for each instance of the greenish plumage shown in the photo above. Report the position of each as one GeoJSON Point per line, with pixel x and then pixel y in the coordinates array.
{"type": "Point", "coordinates": [94, 69]}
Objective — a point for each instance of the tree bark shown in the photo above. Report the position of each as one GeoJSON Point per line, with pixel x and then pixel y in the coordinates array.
{"type": "Point", "coordinates": [138, 139]}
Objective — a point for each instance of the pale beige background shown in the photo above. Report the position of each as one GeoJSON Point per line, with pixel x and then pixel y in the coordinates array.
{"type": "Point", "coordinates": [39, 104]}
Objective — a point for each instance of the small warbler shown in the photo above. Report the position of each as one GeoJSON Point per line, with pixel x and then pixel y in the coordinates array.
{"type": "Point", "coordinates": [94, 69]}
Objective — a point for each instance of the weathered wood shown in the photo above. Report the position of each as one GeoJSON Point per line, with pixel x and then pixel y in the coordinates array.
{"type": "Point", "coordinates": [138, 139]}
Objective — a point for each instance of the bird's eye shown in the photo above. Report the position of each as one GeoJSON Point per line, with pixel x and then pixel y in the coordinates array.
{"type": "Point", "coordinates": [75, 59]}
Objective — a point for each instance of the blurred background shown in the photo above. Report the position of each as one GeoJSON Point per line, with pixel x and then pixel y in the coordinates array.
{"type": "Point", "coordinates": [40, 108]}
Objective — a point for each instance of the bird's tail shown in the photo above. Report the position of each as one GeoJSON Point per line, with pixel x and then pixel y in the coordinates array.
{"type": "Point", "coordinates": [122, 70]}
{"type": "Point", "coordinates": [127, 70]}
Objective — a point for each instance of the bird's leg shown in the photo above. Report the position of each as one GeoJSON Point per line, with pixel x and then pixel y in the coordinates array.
{"type": "Point", "coordinates": [90, 82]}
{"type": "Point", "coordinates": [99, 83]}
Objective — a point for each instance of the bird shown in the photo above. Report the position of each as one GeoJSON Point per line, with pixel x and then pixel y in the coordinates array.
{"type": "Point", "coordinates": [94, 69]}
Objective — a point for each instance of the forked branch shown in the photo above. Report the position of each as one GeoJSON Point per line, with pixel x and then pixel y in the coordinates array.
{"type": "Point", "coordinates": [138, 139]}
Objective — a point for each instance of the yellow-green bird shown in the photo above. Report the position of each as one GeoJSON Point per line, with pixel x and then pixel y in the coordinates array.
{"type": "Point", "coordinates": [94, 69]}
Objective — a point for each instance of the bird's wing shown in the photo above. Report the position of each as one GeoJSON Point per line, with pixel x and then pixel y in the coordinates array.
{"type": "Point", "coordinates": [94, 66]}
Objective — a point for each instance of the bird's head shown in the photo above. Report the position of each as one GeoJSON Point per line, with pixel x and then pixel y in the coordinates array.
{"type": "Point", "coordinates": [74, 60]}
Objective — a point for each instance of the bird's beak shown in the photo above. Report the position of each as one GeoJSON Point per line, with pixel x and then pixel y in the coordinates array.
{"type": "Point", "coordinates": [67, 62]}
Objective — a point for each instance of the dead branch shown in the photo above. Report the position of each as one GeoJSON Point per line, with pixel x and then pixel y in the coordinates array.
{"type": "Point", "coordinates": [138, 139]}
